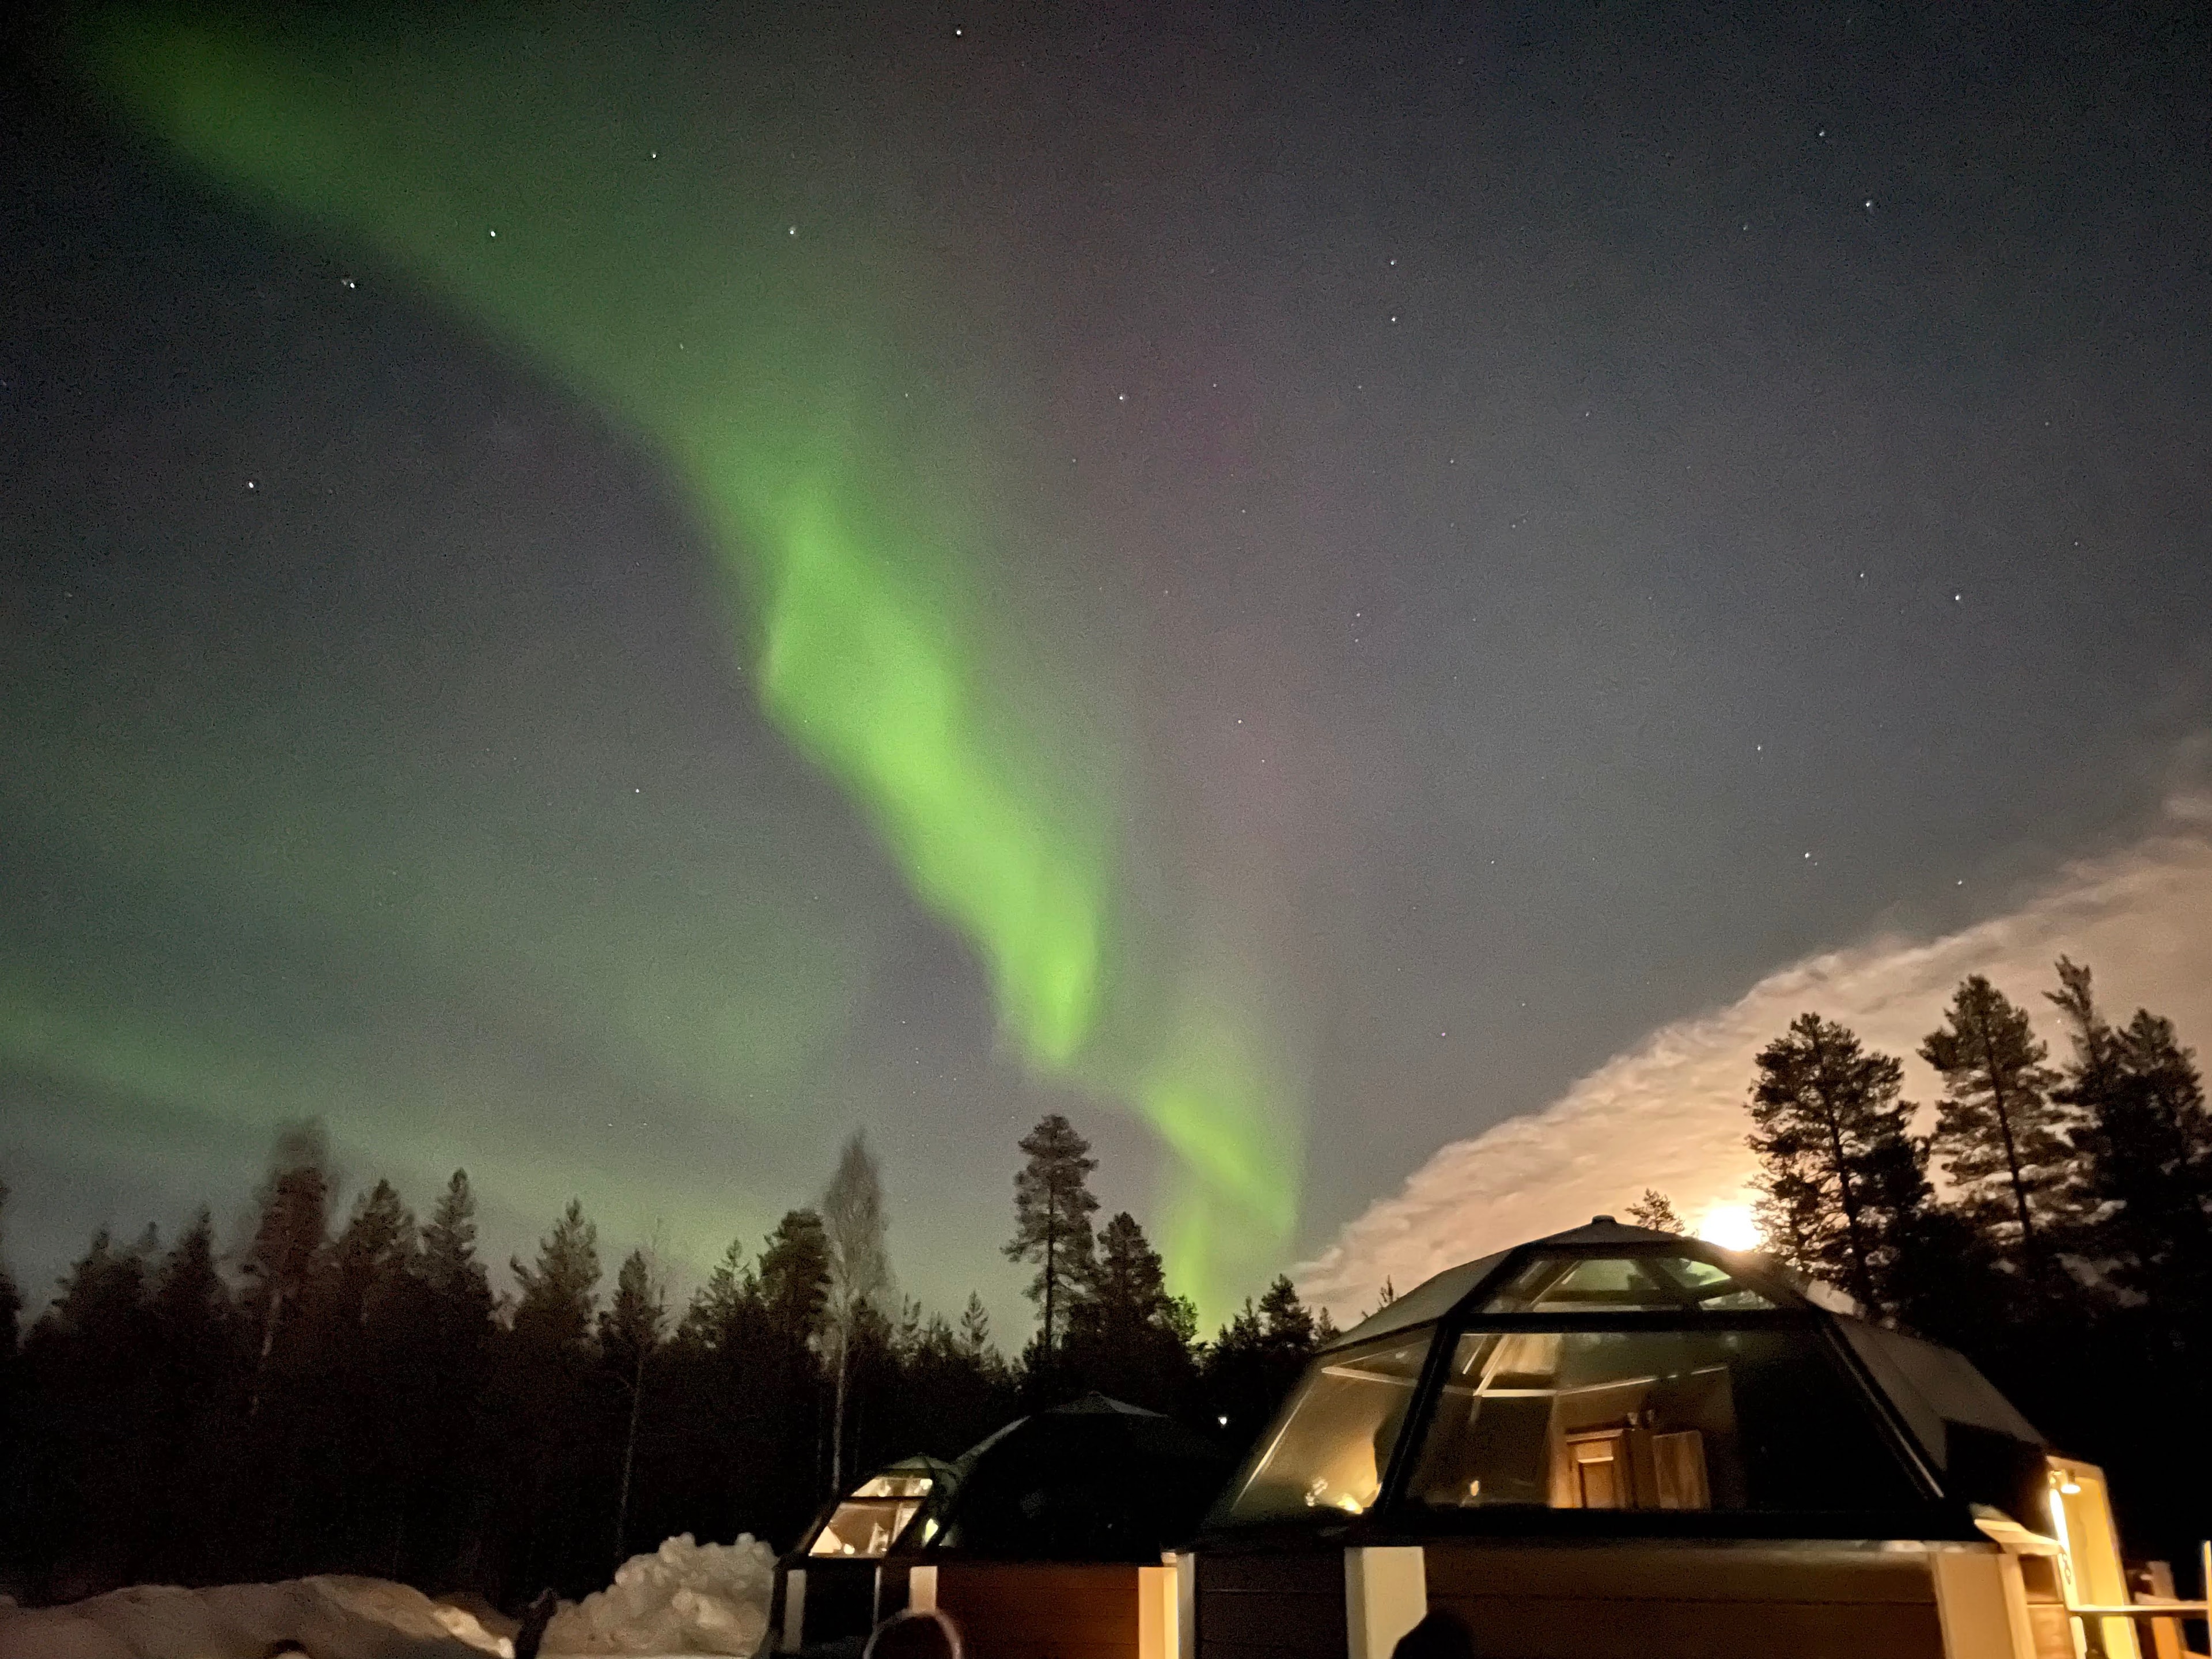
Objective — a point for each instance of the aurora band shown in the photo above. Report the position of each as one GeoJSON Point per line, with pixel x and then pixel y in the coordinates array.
{"type": "Point", "coordinates": [550, 175]}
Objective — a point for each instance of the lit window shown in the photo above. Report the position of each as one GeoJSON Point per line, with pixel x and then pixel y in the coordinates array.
{"type": "Point", "coordinates": [1331, 1445]}
{"type": "Point", "coordinates": [1624, 1284]}
{"type": "Point", "coordinates": [866, 1523]}
{"type": "Point", "coordinates": [1688, 1420]}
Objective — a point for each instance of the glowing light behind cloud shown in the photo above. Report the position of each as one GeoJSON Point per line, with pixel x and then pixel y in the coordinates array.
{"type": "Point", "coordinates": [1669, 1113]}
{"type": "Point", "coordinates": [1728, 1225]}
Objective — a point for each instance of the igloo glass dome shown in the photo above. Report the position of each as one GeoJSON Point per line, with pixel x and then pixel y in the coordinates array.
{"type": "Point", "coordinates": [1613, 1380]}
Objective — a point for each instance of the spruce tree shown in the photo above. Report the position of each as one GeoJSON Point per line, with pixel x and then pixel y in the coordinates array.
{"type": "Point", "coordinates": [1839, 1172]}
{"type": "Point", "coordinates": [560, 1290]}
{"type": "Point", "coordinates": [454, 1349]}
{"type": "Point", "coordinates": [1053, 1207]}
{"type": "Point", "coordinates": [975, 1327]}
{"type": "Point", "coordinates": [448, 1261]}
{"type": "Point", "coordinates": [719, 1306]}
{"type": "Point", "coordinates": [2001, 1137]}
{"type": "Point", "coordinates": [553, 1487]}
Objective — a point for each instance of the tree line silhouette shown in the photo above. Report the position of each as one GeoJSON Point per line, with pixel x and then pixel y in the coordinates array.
{"type": "Point", "coordinates": [354, 1396]}
{"type": "Point", "coordinates": [2054, 1221]}
{"type": "Point", "coordinates": [348, 1394]}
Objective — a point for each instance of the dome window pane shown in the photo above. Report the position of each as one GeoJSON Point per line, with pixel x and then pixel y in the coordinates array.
{"type": "Point", "coordinates": [1331, 1443]}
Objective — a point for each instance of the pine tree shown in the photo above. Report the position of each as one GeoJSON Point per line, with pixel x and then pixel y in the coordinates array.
{"type": "Point", "coordinates": [786, 1375]}
{"type": "Point", "coordinates": [720, 1306]}
{"type": "Point", "coordinates": [1053, 1207]}
{"type": "Point", "coordinates": [859, 1273]}
{"type": "Point", "coordinates": [189, 1295]}
{"type": "Point", "coordinates": [632, 1324]}
{"type": "Point", "coordinates": [1126, 1335]}
{"type": "Point", "coordinates": [1126, 1285]}
{"type": "Point", "coordinates": [795, 1278]}
{"type": "Point", "coordinates": [1656, 1210]}
{"type": "Point", "coordinates": [12, 1413]}
{"type": "Point", "coordinates": [12, 1310]}
{"type": "Point", "coordinates": [192, 1309]}
{"type": "Point", "coordinates": [290, 1235]}
{"type": "Point", "coordinates": [1285, 1322]}
{"type": "Point", "coordinates": [2178, 1180]}
{"type": "Point", "coordinates": [90, 1356]}
{"type": "Point", "coordinates": [189, 1469]}
{"type": "Point", "coordinates": [542, 1390]}
{"type": "Point", "coordinates": [1249, 1369]}
{"type": "Point", "coordinates": [101, 1294]}
{"type": "Point", "coordinates": [452, 1351]}
{"type": "Point", "coordinates": [2001, 1137]}
{"type": "Point", "coordinates": [629, 1335]}
{"type": "Point", "coordinates": [2143, 1174]}
{"type": "Point", "coordinates": [373, 1255]}
{"type": "Point", "coordinates": [1840, 1173]}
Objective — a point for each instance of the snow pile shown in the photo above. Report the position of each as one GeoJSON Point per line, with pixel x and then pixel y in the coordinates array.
{"type": "Point", "coordinates": [685, 1597]}
{"type": "Point", "coordinates": [329, 1618]}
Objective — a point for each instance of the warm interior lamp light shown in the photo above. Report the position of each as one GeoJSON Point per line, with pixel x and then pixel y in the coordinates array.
{"type": "Point", "coordinates": [2069, 1487]}
{"type": "Point", "coordinates": [1730, 1226]}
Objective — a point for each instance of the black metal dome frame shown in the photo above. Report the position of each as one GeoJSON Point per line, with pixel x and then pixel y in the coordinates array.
{"type": "Point", "coordinates": [1963, 1446]}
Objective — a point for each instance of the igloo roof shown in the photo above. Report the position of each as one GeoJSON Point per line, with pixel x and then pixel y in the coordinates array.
{"type": "Point", "coordinates": [1677, 1385]}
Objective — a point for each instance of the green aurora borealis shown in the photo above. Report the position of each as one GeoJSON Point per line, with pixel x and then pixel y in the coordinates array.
{"type": "Point", "coordinates": [554, 177]}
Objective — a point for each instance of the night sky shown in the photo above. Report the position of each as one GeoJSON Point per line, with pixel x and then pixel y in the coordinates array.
{"type": "Point", "coordinates": [609, 594]}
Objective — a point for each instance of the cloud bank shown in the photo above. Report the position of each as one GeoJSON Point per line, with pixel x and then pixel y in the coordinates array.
{"type": "Point", "coordinates": [1669, 1113]}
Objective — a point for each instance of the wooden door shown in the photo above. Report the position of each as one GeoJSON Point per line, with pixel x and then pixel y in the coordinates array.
{"type": "Point", "coordinates": [1601, 1480]}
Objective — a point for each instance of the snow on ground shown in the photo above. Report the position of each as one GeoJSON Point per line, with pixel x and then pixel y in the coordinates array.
{"type": "Point", "coordinates": [327, 1618]}
{"type": "Point", "coordinates": [684, 1598]}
